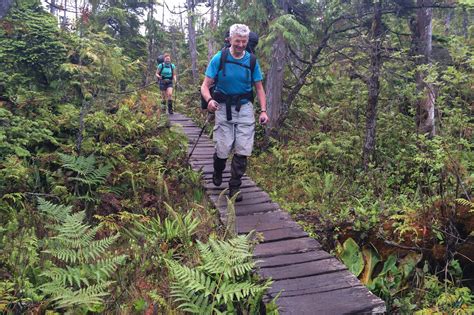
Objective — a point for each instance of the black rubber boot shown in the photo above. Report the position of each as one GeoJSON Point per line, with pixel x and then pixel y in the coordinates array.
{"type": "Point", "coordinates": [237, 170]}
{"type": "Point", "coordinates": [170, 107]}
{"type": "Point", "coordinates": [219, 166]}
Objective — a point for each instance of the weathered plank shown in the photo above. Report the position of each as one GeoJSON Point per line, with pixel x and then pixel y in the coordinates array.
{"type": "Point", "coordinates": [286, 260]}
{"type": "Point", "coordinates": [283, 234]}
{"type": "Point", "coordinates": [313, 284]}
{"type": "Point", "coordinates": [298, 245]}
{"type": "Point", "coordinates": [264, 222]}
{"type": "Point", "coordinates": [352, 300]}
{"type": "Point", "coordinates": [301, 270]}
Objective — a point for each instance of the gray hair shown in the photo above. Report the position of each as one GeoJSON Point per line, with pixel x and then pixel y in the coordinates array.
{"type": "Point", "coordinates": [239, 30]}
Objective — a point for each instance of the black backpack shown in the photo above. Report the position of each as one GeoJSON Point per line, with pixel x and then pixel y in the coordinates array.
{"type": "Point", "coordinates": [222, 61]}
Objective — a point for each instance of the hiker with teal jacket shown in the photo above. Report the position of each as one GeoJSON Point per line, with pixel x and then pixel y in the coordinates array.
{"type": "Point", "coordinates": [231, 74]}
{"type": "Point", "coordinates": [166, 74]}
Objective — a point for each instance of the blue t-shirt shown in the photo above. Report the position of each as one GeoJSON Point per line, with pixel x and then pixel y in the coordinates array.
{"type": "Point", "coordinates": [237, 79]}
{"type": "Point", "coordinates": [166, 73]}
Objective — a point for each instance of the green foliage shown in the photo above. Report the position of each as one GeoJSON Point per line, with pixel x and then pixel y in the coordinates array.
{"type": "Point", "coordinates": [222, 283]}
{"type": "Point", "coordinates": [351, 256]}
{"type": "Point", "coordinates": [78, 275]}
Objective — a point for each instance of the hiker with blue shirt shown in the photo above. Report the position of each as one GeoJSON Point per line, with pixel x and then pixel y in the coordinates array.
{"type": "Point", "coordinates": [166, 74]}
{"type": "Point", "coordinates": [231, 101]}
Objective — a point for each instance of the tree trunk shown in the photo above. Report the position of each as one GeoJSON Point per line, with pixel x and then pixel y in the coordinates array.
{"type": "Point", "coordinates": [52, 7]}
{"type": "Point", "coordinates": [151, 43]}
{"type": "Point", "coordinates": [5, 7]}
{"type": "Point", "coordinates": [425, 107]}
{"type": "Point", "coordinates": [465, 22]}
{"type": "Point", "coordinates": [274, 83]}
{"type": "Point", "coordinates": [192, 40]}
{"type": "Point", "coordinates": [218, 13]}
{"type": "Point", "coordinates": [447, 21]}
{"type": "Point", "coordinates": [211, 43]}
{"type": "Point", "coordinates": [373, 85]}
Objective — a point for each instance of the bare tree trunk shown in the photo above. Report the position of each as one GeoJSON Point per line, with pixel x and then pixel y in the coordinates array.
{"type": "Point", "coordinates": [163, 16]}
{"type": "Point", "coordinates": [52, 7]}
{"type": "Point", "coordinates": [192, 40]}
{"type": "Point", "coordinates": [373, 85]}
{"type": "Point", "coordinates": [274, 83]}
{"type": "Point", "coordinates": [211, 43]}
{"type": "Point", "coordinates": [64, 24]}
{"type": "Point", "coordinates": [181, 22]}
{"type": "Point", "coordinates": [151, 43]}
{"type": "Point", "coordinates": [5, 7]}
{"type": "Point", "coordinates": [425, 107]}
{"type": "Point", "coordinates": [218, 13]}
{"type": "Point", "coordinates": [447, 21]}
{"type": "Point", "coordinates": [465, 22]}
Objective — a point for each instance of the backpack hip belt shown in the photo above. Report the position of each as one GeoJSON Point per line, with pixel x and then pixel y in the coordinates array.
{"type": "Point", "coordinates": [232, 100]}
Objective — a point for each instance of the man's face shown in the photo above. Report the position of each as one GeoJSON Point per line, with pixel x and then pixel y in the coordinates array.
{"type": "Point", "coordinates": [167, 59]}
{"type": "Point", "coordinates": [239, 43]}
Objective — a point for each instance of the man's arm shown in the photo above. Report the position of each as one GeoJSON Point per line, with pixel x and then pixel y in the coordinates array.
{"type": "Point", "coordinates": [206, 94]}
{"type": "Point", "coordinates": [262, 100]}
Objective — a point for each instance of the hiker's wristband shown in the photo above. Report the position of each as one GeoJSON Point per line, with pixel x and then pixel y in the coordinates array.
{"type": "Point", "coordinates": [211, 99]}
{"type": "Point", "coordinates": [263, 111]}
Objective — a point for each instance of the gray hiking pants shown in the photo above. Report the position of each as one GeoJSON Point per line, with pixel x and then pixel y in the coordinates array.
{"type": "Point", "coordinates": [237, 134]}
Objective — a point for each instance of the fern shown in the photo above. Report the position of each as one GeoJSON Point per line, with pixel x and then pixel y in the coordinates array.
{"type": "Point", "coordinates": [85, 169]}
{"type": "Point", "coordinates": [223, 279]}
{"type": "Point", "coordinates": [465, 203]}
{"type": "Point", "coordinates": [80, 278]}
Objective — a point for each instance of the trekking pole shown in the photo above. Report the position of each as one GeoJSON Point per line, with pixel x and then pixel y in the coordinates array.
{"type": "Point", "coordinates": [199, 137]}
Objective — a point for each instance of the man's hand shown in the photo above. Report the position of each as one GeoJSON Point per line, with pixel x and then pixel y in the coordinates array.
{"type": "Point", "coordinates": [212, 106]}
{"type": "Point", "coordinates": [263, 119]}
{"type": "Point", "coordinates": [158, 77]}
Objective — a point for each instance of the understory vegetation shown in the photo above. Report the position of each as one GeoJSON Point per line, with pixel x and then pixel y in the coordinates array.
{"type": "Point", "coordinates": [369, 148]}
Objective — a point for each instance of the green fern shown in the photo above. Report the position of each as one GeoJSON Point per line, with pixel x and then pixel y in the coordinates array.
{"type": "Point", "coordinates": [222, 281]}
{"type": "Point", "coordinates": [85, 169]}
{"type": "Point", "coordinates": [81, 276]}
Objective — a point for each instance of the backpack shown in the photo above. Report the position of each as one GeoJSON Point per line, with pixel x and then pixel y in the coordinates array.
{"type": "Point", "coordinates": [222, 61]}
{"type": "Point", "coordinates": [160, 59]}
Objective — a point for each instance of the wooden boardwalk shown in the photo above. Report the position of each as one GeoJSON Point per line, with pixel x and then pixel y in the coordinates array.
{"type": "Point", "coordinates": [311, 280]}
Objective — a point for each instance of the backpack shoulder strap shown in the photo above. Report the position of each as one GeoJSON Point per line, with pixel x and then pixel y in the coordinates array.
{"type": "Point", "coordinates": [253, 63]}
{"type": "Point", "coordinates": [161, 66]}
{"type": "Point", "coordinates": [223, 60]}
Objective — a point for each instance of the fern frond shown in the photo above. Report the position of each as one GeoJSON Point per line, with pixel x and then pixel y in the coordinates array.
{"type": "Point", "coordinates": [465, 203]}
{"type": "Point", "coordinates": [92, 295]}
{"type": "Point", "coordinates": [58, 213]}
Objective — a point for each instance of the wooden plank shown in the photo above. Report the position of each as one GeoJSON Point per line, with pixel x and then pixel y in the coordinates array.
{"type": "Point", "coordinates": [247, 201]}
{"type": "Point", "coordinates": [241, 210]}
{"type": "Point", "coordinates": [354, 300]}
{"type": "Point", "coordinates": [298, 245]}
{"type": "Point", "coordinates": [314, 284]}
{"type": "Point", "coordinates": [264, 222]}
{"type": "Point", "coordinates": [243, 190]}
{"type": "Point", "coordinates": [283, 234]}
{"type": "Point", "coordinates": [305, 269]}
{"type": "Point", "coordinates": [285, 260]}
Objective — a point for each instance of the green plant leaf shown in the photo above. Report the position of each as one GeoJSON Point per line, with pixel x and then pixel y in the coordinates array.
{"type": "Point", "coordinates": [351, 256]}
{"type": "Point", "coordinates": [371, 259]}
